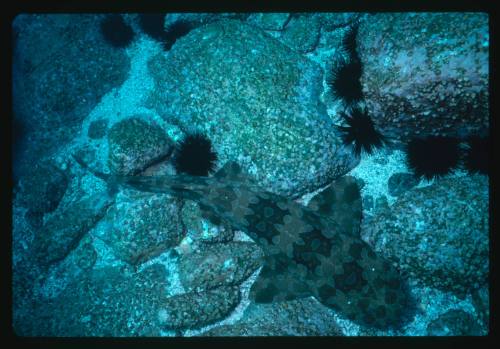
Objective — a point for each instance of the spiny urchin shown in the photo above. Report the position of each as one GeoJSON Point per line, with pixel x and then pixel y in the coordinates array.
{"type": "Point", "coordinates": [349, 42]}
{"type": "Point", "coordinates": [344, 80]}
{"type": "Point", "coordinates": [477, 155]}
{"type": "Point", "coordinates": [115, 31]}
{"type": "Point", "coordinates": [153, 25]}
{"type": "Point", "coordinates": [344, 75]}
{"type": "Point", "coordinates": [194, 155]}
{"type": "Point", "coordinates": [434, 156]}
{"type": "Point", "coordinates": [361, 131]}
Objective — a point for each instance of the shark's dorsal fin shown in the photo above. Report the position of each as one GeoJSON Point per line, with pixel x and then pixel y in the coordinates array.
{"type": "Point", "coordinates": [340, 205]}
{"type": "Point", "coordinates": [232, 171]}
{"type": "Point", "coordinates": [279, 280]}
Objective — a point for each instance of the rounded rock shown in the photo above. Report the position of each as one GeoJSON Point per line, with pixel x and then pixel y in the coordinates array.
{"type": "Point", "coordinates": [198, 309]}
{"type": "Point", "coordinates": [332, 21]}
{"type": "Point", "coordinates": [143, 227]}
{"type": "Point", "coordinates": [428, 77]}
{"type": "Point", "coordinates": [454, 322]}
{"type": "Point", "coordinates": [219, 264]}
{"type": "Point", "coordinates": [58, 82]}
{"type": "Point", "coordinates": [135, 144]}
{"type": "Point", "coordinates": [257, 100]}
{"type": "Point", "coordinates": [301, 317]}
{"type": "Point", "coordinates": [205, 230]}
{"type": "Point", "coordinates": [62, 232]}
{"type": "Point", "coordinates": [302, 33]}
{"type": "Point", "coordinates": [439, 233]}
{"type": "Point", "coordinates": [98, 129]}
{"type": "Point", "coordinates": [269, 21]}
{"type": "Point", "coordinates": [43, 187]}
{"type": "Point", "coordinates": [107, 302]}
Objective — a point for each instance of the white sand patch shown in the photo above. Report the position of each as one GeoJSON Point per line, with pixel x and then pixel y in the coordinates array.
{"type": "Point", "coordinates": [376, 169]}
{"type": "Point", "coordinates": [237, 313]}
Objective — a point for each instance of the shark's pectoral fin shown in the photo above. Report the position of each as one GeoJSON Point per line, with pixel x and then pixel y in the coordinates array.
{"type": "Point", "coordinates": [280, 280]}
{"type": "Point", "coordinates": [232, 171]}
{"type": "Point", "coordinates": [340, 205]}
{"type": "Point", "coordinates": [208, 213]}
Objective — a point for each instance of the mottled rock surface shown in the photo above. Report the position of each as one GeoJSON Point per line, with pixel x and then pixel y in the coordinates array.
{"type": "Point", "coordinates": [42, 188]}
{"type": "Point", "coordinates": [454, 322]}
{"type": "Point", "coordinates": [134, 144]}
{"type": "Point", "coordinates": [302, 34]}
{"type": "Point", "coordinates": [142, 226]}
{"type": "Point", "coordinates": [438, 234]}
{"type": "Point", "coordinates": [197, 309]}
{"type": "Point", "coordinates": [108, 302]}
{"type": "Point", "coordinates": [302, 317]}
{"type": "Point", "coordinates": [368, 203]}
{"type": "Point", "coordinates": [269, 21]}
{"type": "Point", "coordinates": [400, 183]}
{"type": "Point", "coordinates": [332, 21]}
{"type": "Point", "coordinates": [257, 100]}
{"type": "Point", "coordinates": [481, 301]}
{"type": "Point", "coordinates": [98, 129]}
{"type": "Point", "coordinates": [25, 273]}
{"type": "Point", "coordinates": [201, 229]}
{"type": "Point", "coordinates": [64, 229]}
{"type": "Point", "coordinates": [85, 254]}
{"type": "Point", "coordinates": [426, 73]}
{"type": "Point", "coordinates": [199, 19]}
{"type": "Point", "coordinates": [62, 67]}
{"type": "Point", "coordinates": [214, 265]}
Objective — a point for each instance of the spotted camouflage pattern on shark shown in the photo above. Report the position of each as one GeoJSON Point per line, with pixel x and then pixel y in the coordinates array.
{"type": "Point", "coordinates": [309, 251]}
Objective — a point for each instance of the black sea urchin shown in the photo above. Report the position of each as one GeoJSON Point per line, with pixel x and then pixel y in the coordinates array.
{"type": "Point", "coordinates": [116, 32]}
{"type": "Point", "coordinates": [433, 156]}
{"type": "Point", "coordinates": [361, 131]}
{"type": "Point", "coordinates": [477, 156]}
{"type": "Point", "coordinates": [152, 24]}
{"type": "Point", "coordinates": [195, 155]}
{"type": "Point", "coordinates": [343, 79]}
{"type": "Point", "coordinates": [349, 42]}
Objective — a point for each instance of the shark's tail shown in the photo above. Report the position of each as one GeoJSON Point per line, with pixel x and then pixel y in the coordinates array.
{"type": "Point", "coordinates": [111, 180]}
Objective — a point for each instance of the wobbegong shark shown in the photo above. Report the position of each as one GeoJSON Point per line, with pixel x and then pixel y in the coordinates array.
{"type": "Point", "coordinates": [312, 250]}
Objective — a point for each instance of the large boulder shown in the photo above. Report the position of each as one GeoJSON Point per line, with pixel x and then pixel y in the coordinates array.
{"type": "Point", "coordinates": [301, 317]}
{"type": "Point", "coordinates": [63, 230]}
{"type": "Point", "coordinates": [426, 73]}
{"type": "Point", "coordinates": [135, 144]}
{"type": "Point", "coordinates": [107, 302]}
{"type": "Point", "coordinates": [437, 234]}
{"type": "Point", "coordinates": [454, 322]}
{"type": "Point", "coordinates": [198, 19]}
{"type": "Point", "coordinates": [197, 309]}
{"type": "Point", "coordinates": [202, 229]}
{"type": "Point", "coordinates": [331, 21]}
{"type": "Point", "coordinates": [142, 226]}
{"type": "Point", "coordinates": [62, 67]}
{"type": "Point", "coordinates": [41, 189]}
{"type": "Point", "coordinates": [302, 33]}
{"type": "Point", "coordinates": [257, 100]}
{"type": "Point", "coordinates": [269, 21]}
{"type": "Point", "coordinates": [214, 265]}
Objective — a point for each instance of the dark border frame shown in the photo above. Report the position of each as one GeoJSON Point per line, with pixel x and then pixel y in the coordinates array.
{"type": "Point", "coordinates": [124, 6]}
